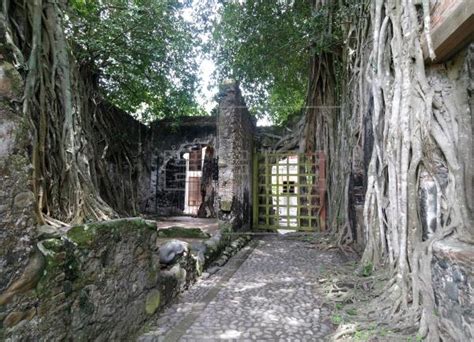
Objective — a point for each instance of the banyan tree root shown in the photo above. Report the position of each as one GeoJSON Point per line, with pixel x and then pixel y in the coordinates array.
{"type": "Point", "coordinates": [420, 123]}
{"type": "Point", "coordinates": [415, 132]}
{"type": "Point", "coordinates": [58, 105]}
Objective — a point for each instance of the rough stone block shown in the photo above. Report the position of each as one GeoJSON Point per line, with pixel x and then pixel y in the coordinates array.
{"type": "Point", "coordinates": [171, 250]}
{"type": "Point", "coordinates": [153, 300]}
{"type": "Point", "coordinates": [453, 279]}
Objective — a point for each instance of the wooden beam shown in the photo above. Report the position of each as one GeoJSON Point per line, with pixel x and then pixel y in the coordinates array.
{"type": "Point", "coordinates": [452, 28]}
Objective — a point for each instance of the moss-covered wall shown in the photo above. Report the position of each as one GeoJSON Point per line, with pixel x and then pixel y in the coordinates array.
{"type": "Point", "coordinates": [99, 281]}
{"type": "Point", "coordinates": [17, 217]}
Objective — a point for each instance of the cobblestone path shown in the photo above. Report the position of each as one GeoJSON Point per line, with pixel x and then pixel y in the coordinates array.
{"type": "Point", "coordinates": [266, 292]}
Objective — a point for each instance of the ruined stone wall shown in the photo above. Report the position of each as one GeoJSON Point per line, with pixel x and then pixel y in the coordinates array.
{"type": "Point", "coordinates": [451, 274]}
{"type": "Point", "coordinates": [139, 164]}
{"type": "Point", "coordinates": [17, 201]}
{"type": "Point", "coordinates": [235, 145]}
{"type": "Point", "coordinates": [97, 282]}
{"type": "Point", "coordinates": [124, 155]}
{"type": "Point", "coordinates": [453, 279]}
{"type": "Point", "coordinates": [453, 258]}
{"type": "Point", "coordinates": [170, 139]}
{"type": "Point", "coordinates": [63, 286]}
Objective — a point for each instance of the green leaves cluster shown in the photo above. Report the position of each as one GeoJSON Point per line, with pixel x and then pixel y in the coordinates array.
{"type": "Point", "coordinates": [267, 46]}
{"type": "Point", "coordinates": [143, 52]}
{"type": "Point", "coordinates": [264, 45]}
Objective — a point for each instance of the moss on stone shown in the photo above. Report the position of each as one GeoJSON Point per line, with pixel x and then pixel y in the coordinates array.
{"type": "Point", "coordinates": [85, 304]}
{"type": "Point", "coordinates": [182, 232]}
{"type": "Point", "coordinates": [53, 245]}
{"type": "Point", "coordinates": [14, 78]}
{"type": "Point", "coordinates": [152, 276]}
{"type": "Point", "coordinates": [85, 235]}
{"type": "Point", "coordinates": [153, 301]}
{"type": "Point", "coordinates": [54, 253]}
{"type": "Point", "coordinates": [82, 235]}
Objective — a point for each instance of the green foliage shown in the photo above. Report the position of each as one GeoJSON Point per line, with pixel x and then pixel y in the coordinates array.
{"type": "Point", "coordinates": [367, 269]}
{"type": "Point", "coordinates": [267, 45]}
{"type": "Point", "coordinates": [351, 312]}
{"type": "Point", "coordinates": [362, 335]}
{"type": "Point", "coordinates": [264, 45]}
{"type": "Point", "coordinates": [337, 319]}
{"type": "Point", "coordinates": [143, 52]}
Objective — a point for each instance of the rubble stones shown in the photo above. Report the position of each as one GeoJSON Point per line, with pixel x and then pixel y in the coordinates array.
{"type": "Point", "coordinates": [171, 250]}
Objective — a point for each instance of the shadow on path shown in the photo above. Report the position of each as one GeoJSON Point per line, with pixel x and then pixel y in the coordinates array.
{"type": "Point", "coordinates": [268, 291]}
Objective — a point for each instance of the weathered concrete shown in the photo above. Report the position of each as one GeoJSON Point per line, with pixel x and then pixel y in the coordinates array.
{"type": "Point", "coordinates": [268, 293]}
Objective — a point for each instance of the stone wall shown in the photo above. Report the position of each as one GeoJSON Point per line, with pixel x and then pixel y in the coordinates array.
{"type": "Point", "coordinates": [123, 159]}
{"type": "Point", "coordinates": [136, 160]}
{"type": "Point", "coordinates": [101, 283]}
{"type": "Point", "coordinates": [170, 139]}
{"type": "Point", "coordinates": [453, 260]}
{"type": "Point", "coordinates": [453, 279]}
{"type": "Point", "coordinates": [97, 282]}
{"type": "Point", "coordinates": [17, 201]}
{"type": "Point", "coordinates": [235, 146]}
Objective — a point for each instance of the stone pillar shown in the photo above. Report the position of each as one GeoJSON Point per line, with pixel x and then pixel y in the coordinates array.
{"type": "Point", "coordinates": [235, 132]}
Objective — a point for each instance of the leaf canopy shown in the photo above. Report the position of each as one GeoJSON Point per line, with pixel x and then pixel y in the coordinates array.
{"type": "Point", "coordinates": [265, 46]}
{"type": "Point", "coordinates": [143, 50]}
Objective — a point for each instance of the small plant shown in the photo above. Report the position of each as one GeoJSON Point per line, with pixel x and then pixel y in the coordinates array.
{"type": "Point", "coordinates": [367, 270]}
{"type": "Point", "coordinates": [383, 332]}
{"type": "Point", "coordinates": [417, 338]}
{"type": "Point", "coordinates": [339, 306]}
{"type": "Point", "coordinates": [351, 312]}
{"type": "Point", "coordinates": [362, 335]}
{"type": "Point", "coordinates": [336, 319]}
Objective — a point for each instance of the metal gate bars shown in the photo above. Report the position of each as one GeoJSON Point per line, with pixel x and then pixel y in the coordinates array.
{"type": "Point", "coordinates": [289, 191]}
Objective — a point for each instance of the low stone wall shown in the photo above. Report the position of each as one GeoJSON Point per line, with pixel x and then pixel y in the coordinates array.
{"type": "Point", "coordinates": [98, 282]}
{"type": "Point", "coordinates": [453, 280]}
{"type": "Point", "coordinates": [103, 281]}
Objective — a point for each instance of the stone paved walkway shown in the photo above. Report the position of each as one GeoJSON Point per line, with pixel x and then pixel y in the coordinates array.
{"type": "Point", "coordinates": [268, 291]}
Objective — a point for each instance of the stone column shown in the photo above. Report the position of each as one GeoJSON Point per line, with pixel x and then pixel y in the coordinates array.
{"type": "Point", "coordinates": [235, 136]}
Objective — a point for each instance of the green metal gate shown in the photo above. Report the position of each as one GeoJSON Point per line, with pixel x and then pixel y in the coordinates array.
{"type": "Point", "coordinates": [289, 191]}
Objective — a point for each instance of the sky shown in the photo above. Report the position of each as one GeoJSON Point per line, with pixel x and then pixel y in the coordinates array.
{"type": "Point", "coordinates": [206, 67]}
